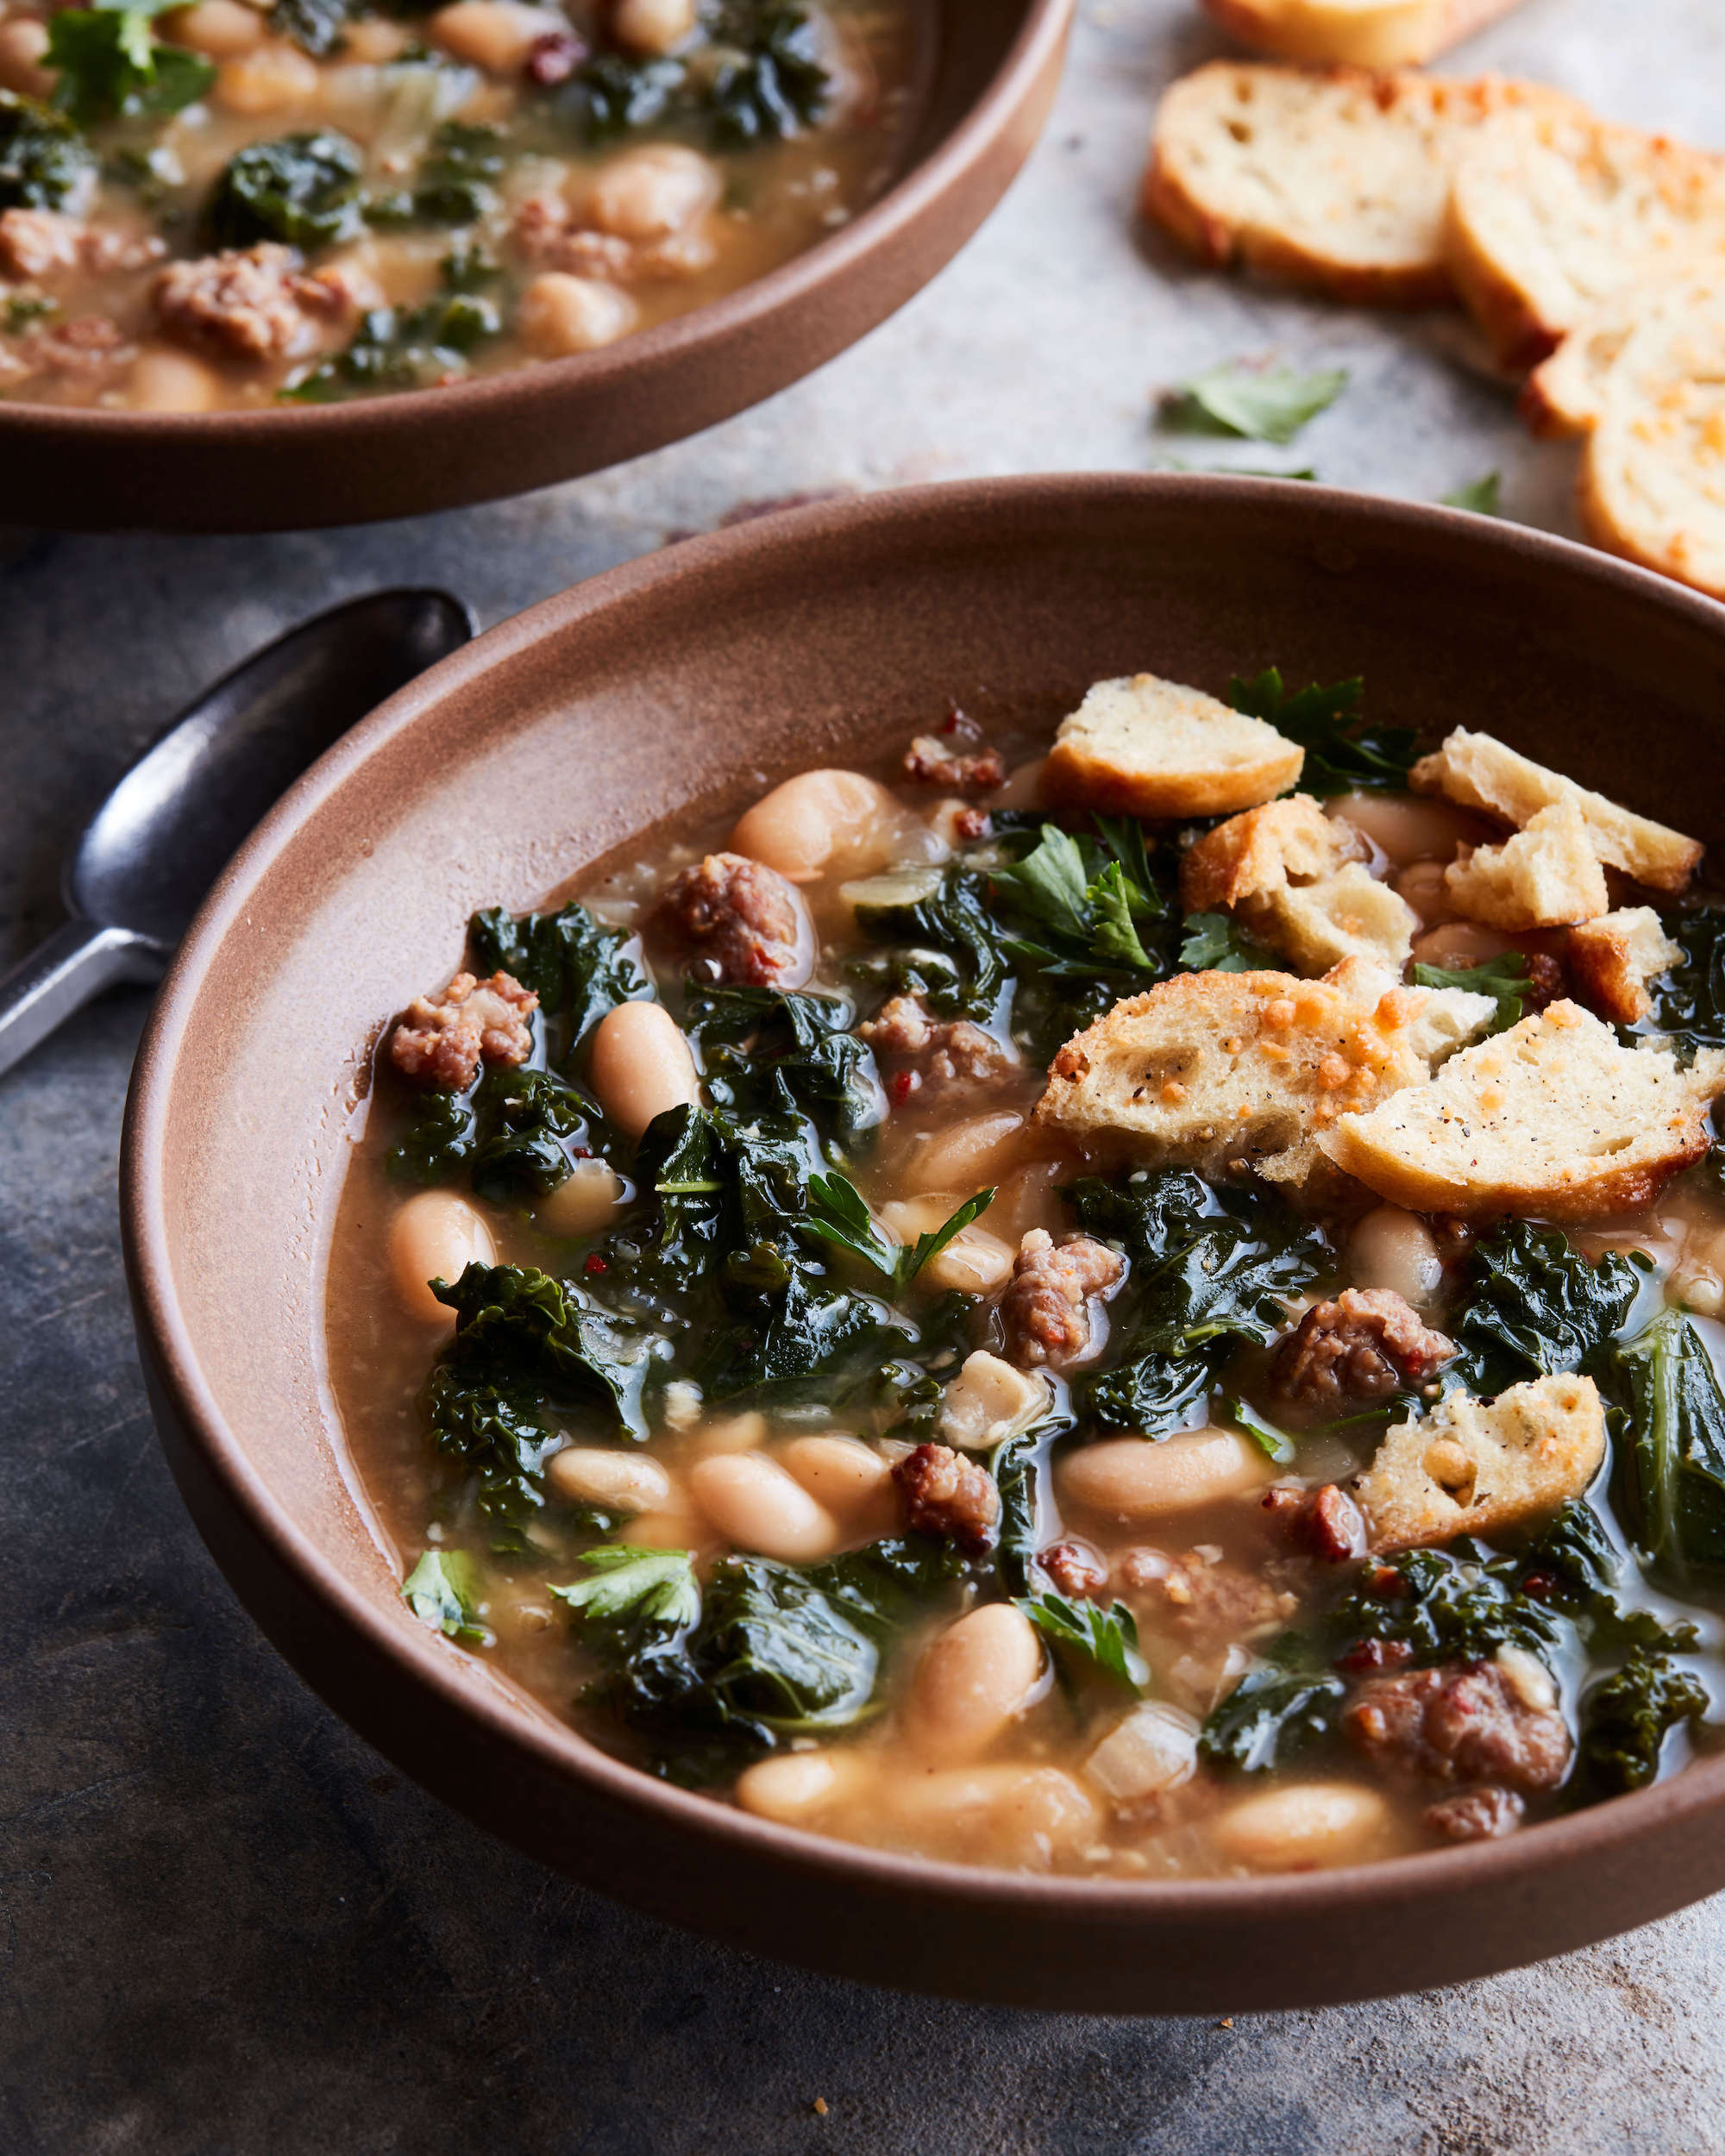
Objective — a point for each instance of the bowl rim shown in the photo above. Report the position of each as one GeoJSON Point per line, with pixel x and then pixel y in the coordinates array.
{"type": "Point", "coordinates": [426, 1663]}
{"type": "Point", "coordinates": [893, 214]}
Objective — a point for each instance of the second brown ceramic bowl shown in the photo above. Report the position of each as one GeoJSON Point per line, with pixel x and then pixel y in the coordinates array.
{"type": "Point", "coordinates": [994, 68]}
{"type": "Point", "coordinates": [669, 690]}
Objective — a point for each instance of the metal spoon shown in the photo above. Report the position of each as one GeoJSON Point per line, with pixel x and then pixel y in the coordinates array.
{"type": "Point", "coordinates": [157, 844]}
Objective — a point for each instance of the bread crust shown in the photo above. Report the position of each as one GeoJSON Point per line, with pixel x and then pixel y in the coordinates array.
{"type": "Point", "coordinates": [1297, 877]}
{"type": "Point", "coordinates": [1387, 34]}
{"type": "Point", "coordinates": [1610, 961]}
{"type": "Point", "coordinates": [1144, 746]}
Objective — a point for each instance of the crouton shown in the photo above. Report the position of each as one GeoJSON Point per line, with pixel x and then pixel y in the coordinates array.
{"type": "Point", "coordinates": [1434, 1022]}
{"type": "Point", "coordinates": [1611, 960]}
{"type": "Point", "coordinates": [1475, 1467]}
{"type": "Point", "coordinates": [1336, 179]}
{"type": "Point", "coordinates": [1148, 747]}
{"type": "Point", "coordinates": [1636, 345]}
{"type": "Point", "coordinates": [1481, 773]}
{"type": "Point", "coordinates": [1554, 1118]}
{"type": "Point", "coordinates": [1356, 33]}
{"type": "Point", "coordinates": [1553, 211]}
{"type": "Point", "coordinates": [1226, 1069]}
{"type": "Point", "coordinates": [1542, 877]}
{"type": "Point", "coordinates": [1294, 877]}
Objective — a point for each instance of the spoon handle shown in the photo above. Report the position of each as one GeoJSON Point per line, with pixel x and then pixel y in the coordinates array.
{"type": "Point", "coordinates": [77, 961]}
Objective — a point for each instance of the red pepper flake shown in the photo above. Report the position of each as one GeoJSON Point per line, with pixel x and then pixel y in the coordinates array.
{"type": "Point", "coordinates": [595, 1265]}
{"type": "Point", "coordinates": [1540, 1585]}
{"type": "Point", "coordinates": [953, 721]}
{"type": "Point", "coordinates": [901, 1085]}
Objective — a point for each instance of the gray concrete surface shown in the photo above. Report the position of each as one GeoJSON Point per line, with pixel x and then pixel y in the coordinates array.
{"type": "Point", "coordinates": [224, 1926]}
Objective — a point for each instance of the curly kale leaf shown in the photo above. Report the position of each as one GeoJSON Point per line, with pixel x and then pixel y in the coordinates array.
{"type": "Point", "coordinates": [1537, 1306]}
{"type": "Point", "coordinates": [1626, 1719]}
{"type": "Point", "coordinates": [767, 1053]}
{"type": "Point", "coordinates": [401, 347]}
{"type": "Point", "coordinates": [1105, 1641]}
{"type": "Point", "coordinates": [456, 183]}
{"type": "Point", "coordinates": [578, 968]}
{"type": "Point", "coordinates": [492, 1425]}
{"type": "Point", "coordinates": [1281, 1708]}
{"type": "Point", "coordinates": [1671, 1446]}
{"type": "Point", "coordinates": [609, 96]}
{"type": "Point", "coordinates": [1448, 1605]}
{"type": "Point", "coordinates": [521, 1328]}
{"type": "Point", "coordinates": [768, 82]}
{"type": "Point", "coordinates": [791, 1333]}
{"type": "Point", "coordinates": [44, 160]}
{"type": "Point", "coordinates": [514, 1132]}
{"type": "Point", "coordinates": [1342, 755]}
{"type": "Point", "coordinates": [945, 946]}
{"type": "Point", "coordinates": [109, 66]}
{"type": "Point", "coordinates": [301, 189]}
{"type": "Point", "coordinates": [1689, 1001]}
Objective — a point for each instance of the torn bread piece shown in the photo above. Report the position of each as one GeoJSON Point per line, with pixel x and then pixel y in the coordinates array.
{"type": "Point", "coordinates": [1475, 1467]}
{"type": "Point", "coordinates": [1552, 211]}
{"type": "Point", "coordinates": [1554, 1118]}
{"type": "Point", "coordinates": [1611, 960]}
{"type": "Point", "coordinates": [1296, 878]}
{"type": "Point", "coordinates": [1636, 346]}
{"type": "Point", "coordinates": [1356, 33]}
{"type": "Point", "coordinates": [1436, 1021]}
{"type": "Point", "coordinates": [1543, 876]}
{"type": "Point", "coordinates": [1335, 179]}
{"type": "Point", "coordinates": [1223, 1070]}
{"type": "Point", "coordinates": [1481, 773]}
{"type": "Point", "coordinates": [1147, 747]}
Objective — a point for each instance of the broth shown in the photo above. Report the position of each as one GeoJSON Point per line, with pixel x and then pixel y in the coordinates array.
{"type": "Point", "coordinates": [357, 202]}
{"type": "Point", "coordinates": [1049, 1551]}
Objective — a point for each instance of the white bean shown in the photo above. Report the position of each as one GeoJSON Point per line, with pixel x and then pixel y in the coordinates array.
{"type": "Point", "coordinates": [163, 380]}
{"type": "Point", "coordinates": [831, 823]}
{"type": "Point", "coordinates": [1023, 788]}
{"type": "Point", "coordinates": [219, 29]}
{"type": "Point", "coordinates": [435, 1236]}
{"type": "Point", "coordinates": [582, 1202]}
{"type": "Point", "coordinates": [679, 1526]}
{"type": "Point", "coordinates": [1407, 831]}
{"type": "Point", "coordinates": [271, 77]}
{"type": "Point", "coordinates": [1028, 1197]}
{"type": "Point", "coordinates": [795, 1787]}
{"type": "Point", "coordinates": [988, 1402]}
{"type": "Point", "coordinates": [970, 1155]}
{"type": "Point", "coordinates": [1306, 1826]}
{"type": "Point", "coordinates": [559, 313]}
{"type": "Point", "coordinates": [594, 1474]}
{"type": "Point", "coordinates": [851, 1480]}
{"type": "Point", "coordinates": [498, 35]}
{"type": "Point", "coordinates": [745, 1432]}
{"type": "Point", "coordinates": [1423, 887]}
{"type": "Point", "coordinates": [1462, 943]}
{"type": "Point", "coordinates": [1138, 1479]}
{"type": "Point", "coordinates": [642, 1066]}
{"type": "Point", "coordinates": [1395, 1250]}
{"type": "Point", "coordinates": [758, 1506]}
{"type": "Point", "coordinates": [1015, 1816]}
{"type": "Point", "coordinates": [975, 1262]}
{"type": "Point", "coordinates": [652, 26]}
{"type": "Point", "coordinates": [23, 45]}
{"type": "Point", "coordinates": [973, 1681]}
{"type": "Point", "coordinates": [650, 193]}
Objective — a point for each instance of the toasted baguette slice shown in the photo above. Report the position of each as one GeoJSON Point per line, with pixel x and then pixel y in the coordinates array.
{"type": "Point", "coordinates": [1543, 877]}
{"type": "Point", "coordinates": [1147, 746]}
{"type": "Point", "coordinates": [1356, 33]}
{"type": "Point", "coordinates": [1653, 484]}
{"type": "Point", "coordinates": [1474, 1467]}
{"type": "Point", "coordinates": [1555, 1117]}
{"type": "Point", "coordinates": [1482, 772]}
{"type": "Point", "coordinates": [1644, 339]}
{"type": "Point", "coordinates": [1553, 211]}
{"type": "Point", "coordinates": [1336, 179]}
{"type": "Point", "coordinates": [1225, 1070]}
{"type": "Point", "coordinates": [1294, 875]}
{"type": "Point", "coordinates": [1611, 961]}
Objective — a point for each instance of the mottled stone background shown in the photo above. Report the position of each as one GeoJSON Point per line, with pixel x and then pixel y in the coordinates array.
{"type": "Point", "coordinates": [224, 1926]}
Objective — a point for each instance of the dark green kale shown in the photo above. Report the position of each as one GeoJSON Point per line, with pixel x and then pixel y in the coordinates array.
{"type": "Point", "coordinates": [1094, 1639]}
{"type": "Point", "coordinates": [514, 1132]}
{"type": "Point", "coordinates": [767, 82]}
{"type": "Point", "coordinates": [109, 67]}
{"type": "Point", "coordinates": [839, 1216]}
{"type": "Point", "coordinates": [492, 1426]}
{"type": "Point", "coordinates": [315, 26]}
{"type": "Point", "coordinates": [609, 96]}
{"type": "Point", "coordinates": [517, 1328]}
{"type": "Point", "coordinates": [766, 1053]}
{"type": "Point", "coordinates": [945, 946]}
{"type": "Point", "coordinates": [791, 1333]}
{"type": "Point", "coordinates": [442, 1591]}
{"type": "Point", "coordinates": [1282, 1706]}
{"type": "Point", "coordinates": [401, 347]}
{"type": "Point", "coordinates": [1449, 1605]}
{"type": "Point", "coordinates": [301, 189]}
{"type": "Point", "coordinates": [1017, 1483]}
{"type": "Point", "coordinates": [1505, 978]}
{"type": "Point", "coordinates": [1536, 1307]}
{"type": "Point", "coordinates": [1210, 1268]}
{"type": "Point", "coordinates": [1626, 1719]}
{"type": "Point", "coordinates": [1670, 1432]}
{"type": "Point", "coordinates": [44, 160]}
{"type": "Point", "coordinates": [577, 967]}
{"type": "Point", "coordinates": [1342, 755]}
{"type": "Point", "coordinates": [1689, 1001]}
{"type": "Point", "coordinates": [1216, 943]}
{"type": "Point", "coordinates": [456, 183]}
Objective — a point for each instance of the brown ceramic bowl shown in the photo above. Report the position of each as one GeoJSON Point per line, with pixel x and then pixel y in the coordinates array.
{"type": "Point", "coordinates": [992, 76]}
{"type": "Point", "coordinates": [663, 690]}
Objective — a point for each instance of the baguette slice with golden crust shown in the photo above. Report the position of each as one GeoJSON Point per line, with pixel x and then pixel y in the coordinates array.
{"type": "Point", "coordinates": [1475, 1467]}
{"type": "Point", "coordinates": [1480, 772]}
{"type": "Point", "coordinates": [1554, 1118]}
{"type": "Point", "coordinates": [1227, 1070]}
{"type": "Point", "coordinates": [1653, 484]}
{"type": "Point", "coordinates": [1636, 346]}
{"type": "Point", "coordinates": [1336, 178]}
{"type": "Point", "coordinates": [1553, 212]}
{"type": "Point", "coordinates": [1147, 747]}
{"type": "Point", "coordinates": [1356, 33]}
{"type": "Point", "coordinates": [1611, 961]}
{"type": "Point", "coordinates": [1295, 876]}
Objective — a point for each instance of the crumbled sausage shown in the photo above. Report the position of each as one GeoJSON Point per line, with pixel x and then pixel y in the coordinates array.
{"type": "Point", "coordinates": [441, 1041]}
{"type": "Point", "coordinates": [940, 1056]}
{"type": "Point", "coordinates": [1075, 1571]}
{"type": "Point", "coordinates": [36, 244]}
{"type": "Point", "coordinates": [741, 918]}
{"type": "Point", "coordinates": [1046, 1311]}
{"type": "Point", "coordinates": [548, 231]}
{"type": "Point", "coordinates": [1363, 1346]}
{"type": "Point", "coordinates": [91, 346]}
{"type": "Point", "coordinates": [950, 1496]}
{"type": "Point", "coordinates": [1461, 1722]}
{"type": "Point", "coordinates": [1324, 1523]}
{"type": "Point", "coordinates": [1545, 982]}
{"type": "Point", "coordinates": [931, 761]}
{"type": "Point", "coordinates": [253, 304]}
{"type": "Point", "coordinates": [1474, 1814]}
{"type": "Point", "coordinates": [1208, 1604]}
